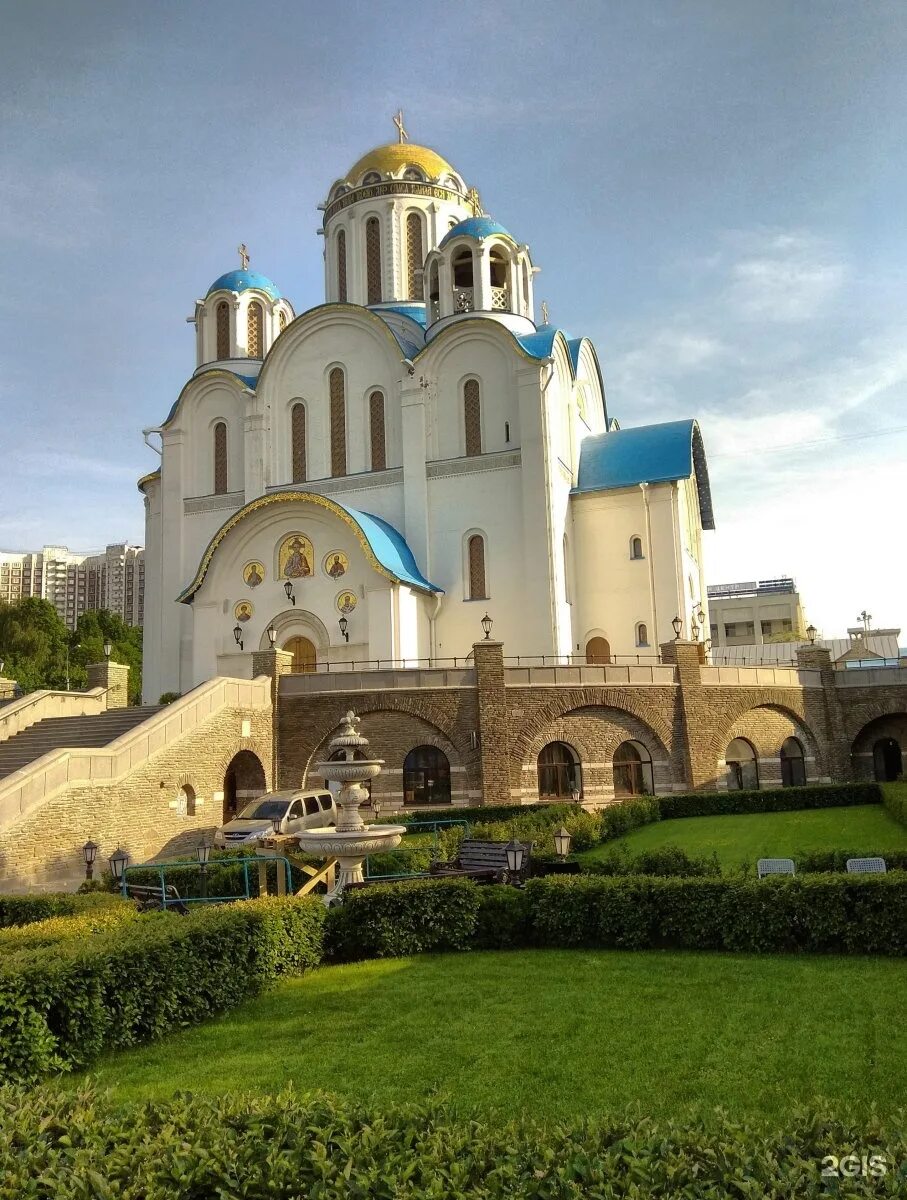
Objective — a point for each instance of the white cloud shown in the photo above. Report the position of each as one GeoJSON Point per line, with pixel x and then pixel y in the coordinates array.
{"type": "Point", "coordinates": [53, 463]}
{"type": "Point", "coordinates": [783, 276]}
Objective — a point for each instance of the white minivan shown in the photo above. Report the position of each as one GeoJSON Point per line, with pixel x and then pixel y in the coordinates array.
{"type": "Point", "coordinates": [294, 810]}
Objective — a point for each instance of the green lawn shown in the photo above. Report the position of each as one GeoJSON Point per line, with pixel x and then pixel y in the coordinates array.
{"type": "Point", "coordinates": [558, 1034]}
{"type": "Point", "coordinates": [748, 837]}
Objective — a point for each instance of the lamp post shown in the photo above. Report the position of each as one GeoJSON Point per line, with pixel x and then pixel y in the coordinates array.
{"type": "Point", "coordinates": [118, 862]}
{"type": "Point", "coordinates": [811, 632]}
{"type": "Point", "coordinates": [376, 807]}
{"type": "Point", "coordinates": [700, 615]}
{"type": "Point", "coordinates": [694, 631]}
{"type": "Point", "coordinates": [277, 824]}
{"type": "Point", "coordinates": [272, 634]}
{"type": "Point", "coordinates": [344, 623]}
{"type": "Point", "coordinates": [486, 625]}
{"type": "Point", "coordinates": [237, 635]}
{"type": "Point", "coordinates": [562, 840]}
{"type": "Point", "coordinates": [678, 628]}
{"type": "Point", "coordinates": [89, 853]}
{"type": "Point", "coordinates": [515, 858]}
{"type": "Point", "coordinates": [108, 647]}
{"type": "Point", "coordinates": [203, 853]}
{"type": "Point", "coordinates": [288, 588]}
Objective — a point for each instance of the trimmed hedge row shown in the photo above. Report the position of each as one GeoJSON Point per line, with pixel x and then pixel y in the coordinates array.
{"type": "Point", "coordinates": [707, 804]}
{"type": "Point", "coordinates": [70, 1147]}
{"type": "Point", "coordinates": [57, 929]}
{"type": "Point", "coordinates": [824, 914]}
{"type": "Point", "coordinates": [894, 797]}
{"type": "Point", "coordinates": [62, 1004]}
{"type": "Point", "coordinates": [821, 861]}
{"type": "Point", "coordinates": [23, 910]}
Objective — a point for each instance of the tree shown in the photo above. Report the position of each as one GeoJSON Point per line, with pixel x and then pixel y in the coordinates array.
{"type": "Point", "coordinates": [92, 631]}
{"type": "Point", "coordinates": [789, 635]}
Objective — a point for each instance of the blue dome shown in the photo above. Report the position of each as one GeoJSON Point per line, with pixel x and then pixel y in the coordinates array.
{"type": "Point", "coordinates": [241, 281]}
{"type": "Point", "coordinates": [475, 227]}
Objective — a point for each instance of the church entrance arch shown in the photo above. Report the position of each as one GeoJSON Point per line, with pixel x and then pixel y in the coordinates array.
{"type": "Point", "coordinates": [598, 652]}
{"type": "Point", "coordinates": [426, 776]}
{"type": "Point", "coordinates": [244, 780]}
{"type": "Point", "coordinates": [887, 760]}
{"type": "Point", "coordinates": [305, 656]}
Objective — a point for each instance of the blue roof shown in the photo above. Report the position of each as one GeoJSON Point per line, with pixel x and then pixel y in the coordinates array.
{"type": "Point", "coordinates": [646, 454]}
{"type": "Point", "coordinates": [241, 281]}
{"type": "Point", "coordinates": [475, 227]}
{"type": "Point", "coordinates": [390, 548]}
{"type": "Point", "coordinates": [415, 312]}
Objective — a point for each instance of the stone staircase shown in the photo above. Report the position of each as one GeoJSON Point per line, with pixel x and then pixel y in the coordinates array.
{"type": "Point", "coordinates": [70, 733]}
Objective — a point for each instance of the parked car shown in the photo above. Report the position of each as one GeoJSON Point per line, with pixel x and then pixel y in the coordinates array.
{"type": "Point", "coordinates": [295, 810]}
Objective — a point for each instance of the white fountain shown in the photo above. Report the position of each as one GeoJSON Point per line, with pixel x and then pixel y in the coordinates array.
{"type": "Point", "coordinates": [351, 840]}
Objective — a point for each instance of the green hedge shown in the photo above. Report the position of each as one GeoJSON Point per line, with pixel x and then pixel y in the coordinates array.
{"type": "Point", "coordinates": [824, 914]}
{"type": "Point", "coordinates": [813, 861]}
{"type": "Point", "coordinates": [23, 910]}
{"type": "Point", "coordinates": [666, 860]}
{"type": "Point", "coordinates": [74, 1146]}
{"type": "Point", "coordinates": [707, 804]}
{"type": "Point", "coordinates": [62, 1004]}
{"type": "Point", "coordinates": [894, 797]}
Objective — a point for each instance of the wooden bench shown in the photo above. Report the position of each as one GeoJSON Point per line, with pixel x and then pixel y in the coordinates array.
{"type": "Point", "coordinates": [150, 897]}
{"type": "Point", "coordinates": [485, 862]}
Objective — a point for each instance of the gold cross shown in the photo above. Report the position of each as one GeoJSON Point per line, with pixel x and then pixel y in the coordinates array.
{"type": "Point", "coordinates": [402, 135]}
{"type": "Point", "coordinates": [544, 312]}
{"type": "Point", "coordinates": [243, 255]}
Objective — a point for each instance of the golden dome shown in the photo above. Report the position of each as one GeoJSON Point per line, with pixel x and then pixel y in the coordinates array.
{"type": "Point", "coordinates": [387, 160]}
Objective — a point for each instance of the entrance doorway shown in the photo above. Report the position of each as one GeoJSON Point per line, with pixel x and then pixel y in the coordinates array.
{"type": "Point", "coordinates": [887, 760]}
{"type": "Point", "coordinates": [244, 780]}
{"type": "Point", "coordinates": [426, 776]}
{"type": "Point", "coordinates": [559, 772]}
{"type": "Point", "coordinates": [304, 654]}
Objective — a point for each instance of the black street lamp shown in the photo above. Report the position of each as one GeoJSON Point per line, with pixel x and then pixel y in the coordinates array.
{"type": "Point", "coordinates": [516, 854]}
{"type": "Point", "coordinates": [237, 635]}
{"type": "Point", "coordinates": [272, 634]}
{"type": "Point", "coordinates": [486, 625]}
{"type": "Point", "coordinates": [276, 824]}
{"type": "Point", "coordinates": [678, 628]}
{"type": "Point", "coordinates": [700, 615]}
{"type": "Point", "coordinates": [343, 623]}
{"type": "Point", "coordinates": [562, 840]}
{"type": "Point", "coordinates": [108, 647]}
{"type": "Point", "coordinates": [376, 807]}
{"type": "Point", "coordinates": [89, 853]}
{"type": "Point", "coordinates": [694, 631]}
{"type": "Point", "coordinates": [203, 853]}
{"type": "Point", "coordinates": [118, 862]}
{"type": "Point", "coordinates": [811, 632]}
{"type": "Point", "coordinates": [288, 588]}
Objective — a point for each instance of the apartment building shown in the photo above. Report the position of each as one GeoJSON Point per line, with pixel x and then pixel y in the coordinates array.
{"type": "Point", "coordinates": [75, 583]}
{"type": "Point", "coordinates": [749, 614]}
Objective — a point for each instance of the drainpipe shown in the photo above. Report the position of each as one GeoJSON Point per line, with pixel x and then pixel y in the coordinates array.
{"type": "Point", "coordinates": [644, 488]}
{"type": "Point", "coordinates": [678, 557]}
{"type": "Point", "coordinates": [432, 632]}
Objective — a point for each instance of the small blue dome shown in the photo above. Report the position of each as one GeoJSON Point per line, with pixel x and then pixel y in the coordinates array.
{"type": "Point", "coordinates": [475, 227]}
{"type": "Point", "coordinates": [241, 281]}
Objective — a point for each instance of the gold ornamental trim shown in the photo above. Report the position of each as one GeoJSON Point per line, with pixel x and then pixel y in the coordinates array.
{"type": "Point", "coordinates": [403, 187]}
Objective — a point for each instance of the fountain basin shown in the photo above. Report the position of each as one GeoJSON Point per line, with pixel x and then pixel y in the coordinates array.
{"type": "Point", "coordinates": [354, 771]}
{"type": "Point", "coordinates": [371, 839]}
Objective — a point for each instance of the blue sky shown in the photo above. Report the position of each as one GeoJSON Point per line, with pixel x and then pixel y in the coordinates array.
{"type": "Point", "coordinates": [714, 192]}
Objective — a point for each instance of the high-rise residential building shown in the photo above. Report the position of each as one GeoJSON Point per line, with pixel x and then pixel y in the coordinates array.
{"type": "Point", "coordinates": [76, 583]}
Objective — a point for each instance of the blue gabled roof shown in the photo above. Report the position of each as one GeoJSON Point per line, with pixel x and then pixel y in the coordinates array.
{"type": "Point", "coordinates": [389, 547]}
{"type": "Point", "coordinates": [540, 343]}
{"type": "Point", "coordinates": [646, 454]}
{"type": "Point", "coordinates": [242, 281]}
{"type": "Point", "coordinates": [475, 227]}
{"type": "Point", "coordinates": [415, 312]}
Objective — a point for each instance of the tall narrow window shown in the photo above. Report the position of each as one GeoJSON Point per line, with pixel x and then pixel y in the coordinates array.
{"type": "Point", "coordinates": [472, 416]}
{"type": "Point", "coordinates": [338, 422]}
{"type": "Point", "coordinates": [642, 634]}
{"type": "Point", "coordinates": [255, 326]}
{"type": "Point", "coordinates": [223, 330]}
{"type": "Point", "coordinates": [476, 553]}
{"type": "Point", "coordinates": [376, 431]}
{"type": "Point", "coordinates": [297, 431]}
{"type": "Point", "coordinates": [414, 255]}
{"type": "Point", "coordinates": [373, 260]}
{"type": "Point", "coordinates": [341, 266]}
{"type": "Point", "coordinates": [636, 547]}
{"type": "Point", "coordinates": [220, 458]}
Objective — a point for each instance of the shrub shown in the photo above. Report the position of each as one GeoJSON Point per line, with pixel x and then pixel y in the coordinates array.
{"type": "Point", "coordinates": [57, 929]}
{"type": "Point", "coordinates": [70, 1146]}
{"type": "Point", "coordinates": [894, 797]}
{"type": "Point", "coordinates": [394, 919]}
{"type": "Point", "coordinates": [707, 804]}
{"type": "Point", "coordinates": [820, 861]}
{"type": "Point", "coordinates": [23, 910]}
{"type": "Point", "coordinates": [668, 860]}
{"type": "Point", "coordinates": [61, 1004]}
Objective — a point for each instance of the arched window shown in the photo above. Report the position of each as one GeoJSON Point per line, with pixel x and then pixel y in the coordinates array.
{"type": "Point", "coordinates": [414, 175]}
{"type": "Point", "coordinates": [338, 422]}
{"type": "Point", "coordinates": [887, 760]}
{"type": "Point", "coordinates": [434, 292]}
{"type": "Point", "coordinates": [559, 772]}
{"type": "Point", "coordinates": [499, 267]}
{"type": "Point", "coordinates": [633, 770]}
{"type": "Point", "coordinates": [742, 766]}
{"type": "Point", "coordinates": [636, 547]}
{"type": "Point", "coordinates": [341, 266]}
{"type": "Point", "coordinates": [793, 768]}
{"type": "Point", "coordinates": [255, 340]}
{"type": "Point", "coordinates": [186, 801]}
{"type": "Point", "coordinates": [220, 458]}
{"type": "Point", "coordinates": [463, 280]}
{"type": "Point", "coordinates": [370, 178]}
{"type": "Point", "coordinates": [376, 431]}
{"type": "Point", "coordinates": [426, 776]}
{"type": "Point", "coordinates": [373, 260]}
{"type": "Point", "coordinates": [475, 551]}
{"type": "Point", "coordinates": [223, 329]}
{"type": "Point", "coordinates": [304, 654]}
{"type": "Point", "coordinates": [526, 283]}
{"type": "Point", "coordinates": [598, 651]}
{"type": "Point", "coordinates": [472, 417]}
{"type": "Point", "coordinates": [297, 437]}
{"type": "Point", "coordinates": [642, 634]}
{"type": "Point", "coordinates": [414, 255]}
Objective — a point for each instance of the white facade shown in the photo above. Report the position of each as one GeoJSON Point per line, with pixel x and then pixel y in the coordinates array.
{"type": "Point", "coordinates": [419, 409]}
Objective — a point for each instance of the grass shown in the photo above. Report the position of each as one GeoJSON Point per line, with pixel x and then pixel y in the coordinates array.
{"type": "Point", "coordinates": [739, 838]}
{"type": "Point", "coordinates": [557, 1034]}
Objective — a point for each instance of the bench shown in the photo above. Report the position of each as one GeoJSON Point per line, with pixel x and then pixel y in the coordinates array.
{"type": "Point", "coordinates": [485, 862]}
{"type": "Point", "coordinates": [866, 866]}
{"type": "Point", "coordinates": [774, 866]}
{"type": "Point", "coordinates": [150, 897]}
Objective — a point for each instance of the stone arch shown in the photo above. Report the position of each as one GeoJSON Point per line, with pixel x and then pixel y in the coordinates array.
{"type": "Point", "coordinates": [244, 779]}
{"type": "Point", "coordinates": [858, 716]}
{"type": "Point", "coordinates": [656, 715]}
{"type": "Point", "coordinates": [879, 748]}
{"type": "Point", "coordinates": [766, 726]}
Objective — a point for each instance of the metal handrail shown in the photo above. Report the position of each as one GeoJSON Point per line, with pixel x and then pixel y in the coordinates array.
{"type": "Point", "coordinates": [580, 660]}
{"type": "Point", "coordinates": [346, 666]}
{"type": "Point", "coordinates": [188, 863]}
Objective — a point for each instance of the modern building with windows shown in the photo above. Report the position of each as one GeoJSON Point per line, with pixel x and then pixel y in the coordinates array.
{"type": "Point", "coordinates": [751, 614]}
{"type": "Point", "coordinates": [366, 479]}
{"type": "Point", "coordinates": [76, 583]}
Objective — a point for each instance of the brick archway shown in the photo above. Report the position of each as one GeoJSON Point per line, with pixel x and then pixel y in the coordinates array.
{"type": "Point", "coordinates": [244, 779]}
{"type": "Point", "coordinates": [766, 726]}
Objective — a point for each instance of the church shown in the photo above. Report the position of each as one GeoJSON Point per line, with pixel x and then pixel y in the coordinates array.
{"type": "Point", "coordinates": [369, 480]}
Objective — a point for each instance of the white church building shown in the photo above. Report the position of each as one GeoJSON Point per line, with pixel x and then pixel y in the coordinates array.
{"type": "Point", "coordinates": [367, 479]}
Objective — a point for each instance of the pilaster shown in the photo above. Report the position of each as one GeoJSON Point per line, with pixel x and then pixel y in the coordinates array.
{"type": "Point", "coordinates": [273, 663]}
{"type": "Point", "coordinates": [818, 658]}
{"type": "Point", "coordinates": [494, 747]}
{"type": "Point", "coordinates": [693, 714]}
{"type": "Point", "coordinates": [7, 688]}
{"type": "Point", "coordinates": [114, 677]}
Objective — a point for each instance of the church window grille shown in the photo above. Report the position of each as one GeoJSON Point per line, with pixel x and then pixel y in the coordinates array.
{"type": "Point", "coordinates": [297, 430]}
{"type": "Point", "coordinates": [414, 256]}
{"type": "Point", "coordinates": [636, 547]}
{"type": "Point", "coordinates": [220, 458]}
{"type": "Point", "coordinates": [341, 266]}
{"type": "Point", "coordinates": [476, 556]}
{"type": "Point", "coordinates": [376, 431]}
{"type": "Point", "coordinates": [223, 330]}
{"type": "Point", "coordinates": [338, 422]}
{"type": "Point", "coordinates": [255, 324]}
{"type": "Point", "coordinates": [472, 416]}
{"type": "Point", "coordinates": [373, 260]}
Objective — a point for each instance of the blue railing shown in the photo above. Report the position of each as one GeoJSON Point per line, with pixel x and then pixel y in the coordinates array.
{"type": "Point", "coordinates": [181, 864]}
{"type": "Point", "coordinates": [433, 825]}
